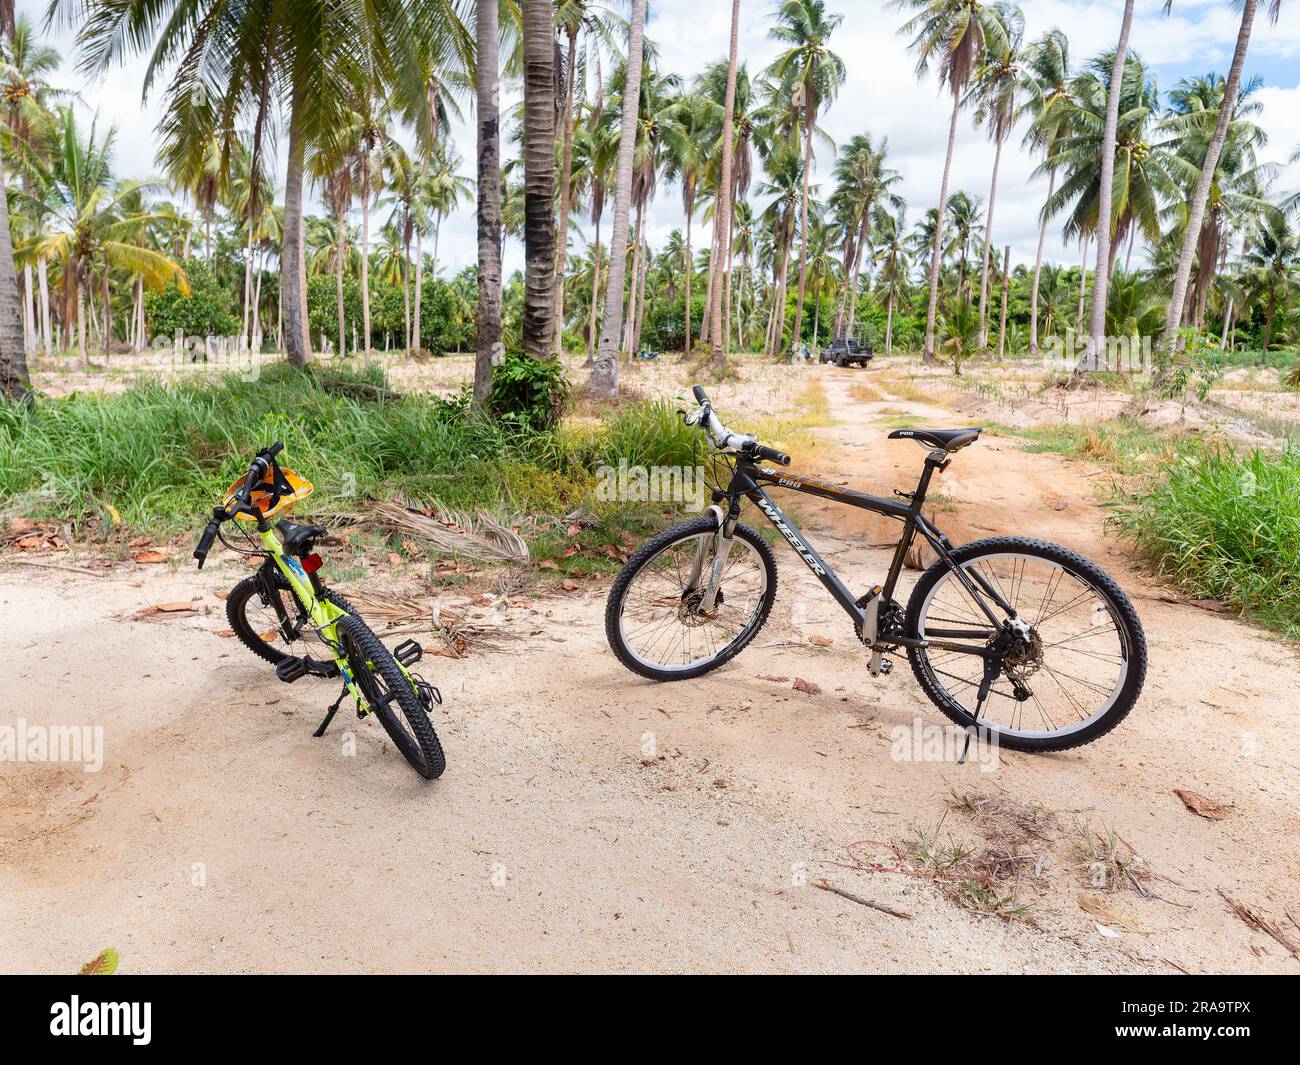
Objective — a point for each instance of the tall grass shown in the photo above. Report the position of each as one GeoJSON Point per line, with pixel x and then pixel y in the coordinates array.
{"type": "Point", "coordinates": [1225, 526]}
{"type": "Point", "coordinates": [161, 455]}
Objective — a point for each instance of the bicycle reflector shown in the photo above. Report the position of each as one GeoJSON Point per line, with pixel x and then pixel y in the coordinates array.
{"type": "Point", "coordinates": [311, 563]}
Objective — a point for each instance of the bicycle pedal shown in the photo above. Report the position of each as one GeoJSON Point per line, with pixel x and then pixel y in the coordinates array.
{"type": "Point", "coordinates": [408, 653]}
{"type": "Point", "coordinates": [291, 669]}
{"type": "Point", "coordinates": [317, 668]}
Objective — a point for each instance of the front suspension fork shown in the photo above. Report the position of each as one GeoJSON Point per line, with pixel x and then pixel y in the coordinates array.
{"type": "Point", "coordinates": [721, 544]}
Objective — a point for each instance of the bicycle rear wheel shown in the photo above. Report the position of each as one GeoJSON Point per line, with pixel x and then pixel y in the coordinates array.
{"type": "Point", "coordinates": [1076, 676]}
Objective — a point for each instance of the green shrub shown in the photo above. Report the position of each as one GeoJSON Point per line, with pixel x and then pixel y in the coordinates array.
{"type": "Point", "coordinates": [1225, 526]}
{"type": "Point", "coordinates": [207, 310]}
{"type": "Point", "coordinates": [528, 393]}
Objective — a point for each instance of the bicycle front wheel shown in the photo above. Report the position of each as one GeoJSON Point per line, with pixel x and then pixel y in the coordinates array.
{"type": "Point", "coordinates": [392, 697]}
{"type": "Point", "coordinates": [654, 617]}
{"type": "Point", "coordinates": [1076, 676]}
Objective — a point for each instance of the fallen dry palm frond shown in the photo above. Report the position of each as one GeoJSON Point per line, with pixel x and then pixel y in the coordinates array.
{"type": "Point", "coordinates": [477, 535]}
{"type": "Point", "coordinates": [455, 633]}
{"type": "Point", "coordinates": [1260, 922]}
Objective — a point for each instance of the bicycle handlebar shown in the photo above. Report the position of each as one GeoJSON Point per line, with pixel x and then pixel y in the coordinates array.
{"type": "Point", "coordinates": [724, 438]}
{"type": "Point", "coordinates": [242, 505]}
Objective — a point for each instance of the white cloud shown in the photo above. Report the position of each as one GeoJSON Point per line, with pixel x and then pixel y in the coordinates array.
{"type": "Point", "coordinates": [881, 95]}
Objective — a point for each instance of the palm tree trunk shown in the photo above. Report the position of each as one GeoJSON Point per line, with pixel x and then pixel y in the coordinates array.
{"type": "Point", "coordinates": [1083, 287]}
{"type": "Point", "coordinates": [539, 177]}
{"type": "Point", "coordinates": [803, 225]}
{"type": "Point", "coordinates": [889, 321]}
{"type": "Point", "coordinates": [1038, 272]}
{"type": "Point", "coordinates": [81, 324]}
{"type": "Point", "coordinates": [595, 288]}
{"type": "Point", "coordinates": [340, 236]}
{"type": "Point", "coordinates": [724, 209]}
{"type": "Point", "coordinates": [417, 336]}
{"type": "Point", "coordinates": [857, 272]}
{"type": "Point", "coordinates": [1101, 280]}
{"type": "Point", "coordinates": [248, 283]}
{"type": "Point", "coordinates": [566, 177]}
{"type": "Point", "coordinates": [488, 317]}
{"type": "Point", "coordinates": [1006, 277]}
{"type": "Point", "coordinates": [29, 312]}
{"type": "Point", "coordinates": [988, 236]}
{"type": "Point", "coordinates": [293, 263]}
{"type": "Point", "coordinates": [406, 294]}
{"type": "Point", "coordinates": [726, 294]}
{"type": "Point", "coordinates": [629, 325]}
{"type": "Point", "coordinates": [690, 270]}
{"type": "Point", "coordinates": [640, 303]}
{"type": "Point", "coordinates": [108, 318]}
{"type": "Point", "coordinates": [1201, 196]}
{"type": "Point", "coordinates": [365, 249]}
{"type": "Point", "coordinates": [43, 277]}
{"type": "Point", "coordinates": [14, 379]}
{"type": "Point", "coordinates": [708, 287]}
{"type": "Point", "coordinates": [936, 253]}
{"type": "Point", "coordinates": [604, 376]}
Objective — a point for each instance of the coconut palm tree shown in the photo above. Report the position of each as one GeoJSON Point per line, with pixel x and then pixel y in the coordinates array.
{"type": "Point", "coordinates": [996, 93]}
{"type": "Point", "coordinates": [1209, 166]}
{"type": "Point", "coordinates": [574, 19]}
{"type": "Point", "coordinates": [864, 184]}
{"type": "Point", "coordinates": [1236, 193]}
{"type": "Point", "coordinates": [1142, 170]}
{"type": "Point", "coordinates": [1048, 85]}
{"type": "Point", "coordinates": [95, 222]}
{"type": "Point", "coordinates": [893, 266]}
{"type": "Point", "coordinates": [1106, 180]}
{"type": "Point", "coordinates": [487, 79]}
{"type": "Point", "coordinates": [783, 187]}
{"type": "Point", "coordinates": [725, 212]}
{"type": "Point", "coordinates": [955, 35]}
{"type": "Point", "coordinates": [14, 379]}
{"type": "Point", "coordinates": [812, 74]}
{"type": "Point", "coordinates": [239, 58]}
{"type": "Point", "coordinates": [1272, 266]}
{"type": "Point", "coordinates": [685, 160]}
{"type": "Point", "coordinates": [26, 103]}
{"type": "Point", "coordinates": [596, 153]}
{"type": "Point", "coordinates": [539, 176]}
{"type": "Point", "coordinates": [604, 377]}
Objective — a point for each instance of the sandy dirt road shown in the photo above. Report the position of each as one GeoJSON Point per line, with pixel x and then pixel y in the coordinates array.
{"type": "Point", "coordinates": [220, 836]}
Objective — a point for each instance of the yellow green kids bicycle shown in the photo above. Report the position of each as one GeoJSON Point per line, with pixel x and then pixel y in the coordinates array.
{"type": "Point", "coordinates": [285, 603]}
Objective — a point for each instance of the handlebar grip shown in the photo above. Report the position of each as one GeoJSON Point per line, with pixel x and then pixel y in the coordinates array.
{"type": "Point", "coordinates": [772, 455]}
{"type": "Point", "coordinates": [274, 450]}
{"type": "Point", "coordinates": [700, 395]}
{"type": "Point", "coordinates": [205, 542]}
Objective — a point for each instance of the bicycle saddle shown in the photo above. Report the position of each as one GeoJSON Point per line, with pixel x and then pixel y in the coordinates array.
{"type": "Point", "coordinates": [946, 439]}
{"type": "Point", "coordinates": [296, 537]}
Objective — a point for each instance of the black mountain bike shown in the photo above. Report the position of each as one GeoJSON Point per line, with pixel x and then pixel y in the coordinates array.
{"type": "Point", "coordinates": [1024, 638]}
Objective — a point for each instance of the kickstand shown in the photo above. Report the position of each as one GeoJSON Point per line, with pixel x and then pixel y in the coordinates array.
{"type": "Point", "coordinates": [329, 714]}
{"type": "Point", "coordinates": [981, 697]}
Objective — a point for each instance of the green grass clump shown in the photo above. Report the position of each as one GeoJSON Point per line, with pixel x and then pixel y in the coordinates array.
{"type": "Point", "coordinates": [160, 456]}
{"type": "Point", "coordinates": [1128, 446]}
{"type": "Point", "coordinates": [1225, 526]}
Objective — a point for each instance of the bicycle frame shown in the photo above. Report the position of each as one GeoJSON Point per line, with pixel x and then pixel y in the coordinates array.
{"type": "Point", "coordinates": [751, 481]}
{"type": "Point", "coordinates": [323, 614]}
